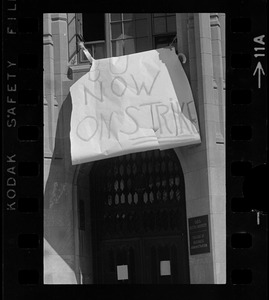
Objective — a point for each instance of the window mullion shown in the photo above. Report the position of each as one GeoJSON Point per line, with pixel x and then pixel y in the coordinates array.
{"type": "Point", "coordinates": [79, 30]}
{"type": "Point", "coordinates": [135, 34]}
{"type": "Point", "coordinates": [123, 35]}
{"type": "Point", "coordinates": [166, 26]}
{"type": "Point", "coordinates": [108, 35]}
{"type": "Point", "coordinates": [151, 37]}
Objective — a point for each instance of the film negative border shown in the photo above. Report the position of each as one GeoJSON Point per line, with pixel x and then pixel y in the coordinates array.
{"type": "Point", "coordinates": [246, 124]}
{"type": "Point", "coordinates": [22, 172]}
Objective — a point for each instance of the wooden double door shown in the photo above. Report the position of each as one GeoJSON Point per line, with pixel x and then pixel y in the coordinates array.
{"type": "Point", "coordinates": [157, 260]}
{"type": "Point", "coordinates": [139, 219]}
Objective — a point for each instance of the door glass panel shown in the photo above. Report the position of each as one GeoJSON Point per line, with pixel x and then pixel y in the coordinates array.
{"type": "Point", "coordinates": [130, 198]}
{"type": "Point", "coordinates": [117, 199]}
{"type": "Point", "coordinates": [135, 198]}
{"type": "Point", "coordinates": [109, 200]}
{"type": "Point", "coordinates": [122, 198]}
{"type": "Point", "coordinates": [165, 196]}
{"type": "Point", "coordinates": [151, 197]}
{"type": "Point", "coordinates": [145, 197]}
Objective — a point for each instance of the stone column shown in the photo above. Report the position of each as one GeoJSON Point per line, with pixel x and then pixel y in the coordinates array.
{"type": "Point", "coordinates": [218, 71]}
{"type": "Point", "coordinates": [182, 39]}
{"type": "Point", "coordinates": [192, 58]}
{"type": "Point", "coordinates": [215, 152]}
{"type": "Point", "coordinates": [60, 39]}
{"type": "Point", "coordinates": [49, 91]}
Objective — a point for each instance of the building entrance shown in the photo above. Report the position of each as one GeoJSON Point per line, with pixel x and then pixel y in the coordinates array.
{"type": "Point", "coordinates": [139, 219]}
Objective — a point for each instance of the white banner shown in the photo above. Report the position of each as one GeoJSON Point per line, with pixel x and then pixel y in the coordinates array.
{"type": "Point", "coordinates": [132, 103]}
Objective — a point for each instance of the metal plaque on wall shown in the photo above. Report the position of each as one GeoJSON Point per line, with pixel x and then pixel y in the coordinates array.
{"type": "Point", "coordinates": [199, 235]}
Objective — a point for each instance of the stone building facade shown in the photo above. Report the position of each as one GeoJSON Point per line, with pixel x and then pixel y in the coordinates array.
{"type": "Point", "coordinates": [193, 177]}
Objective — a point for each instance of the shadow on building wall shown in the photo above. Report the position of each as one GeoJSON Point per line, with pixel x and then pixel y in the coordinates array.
{"type": "Point", "coordinates": [59, 243]}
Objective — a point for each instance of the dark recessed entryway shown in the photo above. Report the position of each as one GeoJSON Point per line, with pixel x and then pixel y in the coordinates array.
{"type": "Point", "coordinates": [139, 219]}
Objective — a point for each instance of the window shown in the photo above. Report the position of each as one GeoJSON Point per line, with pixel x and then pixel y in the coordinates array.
{"type": "Point", "coordinates": [130, 33]}
{"type": "Point", "coordinates": [164, 23]}
{"type": "Point", "coordinates": [92, 28]}
{"type": "Point", "coordinates": [118, 34]}
{"type": "Point", "coordinates": [72, 43]}
{"type": "Point", "coordinates": [164, 30]}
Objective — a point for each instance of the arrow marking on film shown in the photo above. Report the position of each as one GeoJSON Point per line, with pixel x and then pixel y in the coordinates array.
{"type": "Point", "coordinates": [260, 70]}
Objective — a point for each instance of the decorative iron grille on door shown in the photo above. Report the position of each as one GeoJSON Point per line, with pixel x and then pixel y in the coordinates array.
{"type": "Point", "coordinates": [139, 219]}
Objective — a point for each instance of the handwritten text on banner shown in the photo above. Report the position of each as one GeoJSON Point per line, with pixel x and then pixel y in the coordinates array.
{"type": "Point", "coordinates": [132, 103]}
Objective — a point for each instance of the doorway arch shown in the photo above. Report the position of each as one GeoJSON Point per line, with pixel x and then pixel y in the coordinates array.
{"type": "Point", "coordinates": [139, 219]}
